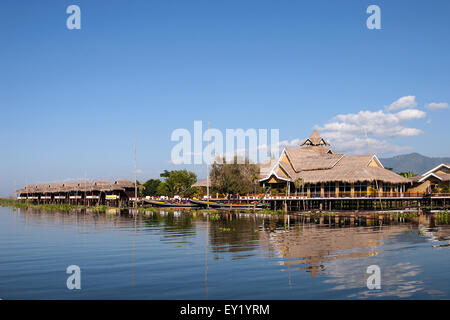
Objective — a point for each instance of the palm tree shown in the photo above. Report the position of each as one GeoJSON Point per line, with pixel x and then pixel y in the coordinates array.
{"type": "Point", "coordinates": [299, 182]}
{"type": "Point", "coordinates": [254, 178]}
{"type": "Point", "coordinates": [408, 174]}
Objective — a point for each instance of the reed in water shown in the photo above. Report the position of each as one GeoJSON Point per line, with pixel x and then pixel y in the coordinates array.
{"type": "Point", "coordinates": [61, 207]}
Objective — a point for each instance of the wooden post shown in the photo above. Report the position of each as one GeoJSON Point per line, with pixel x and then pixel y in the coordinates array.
{"type": "Point", "coordinates": [207, 178]}
{"type": "Point", "coordinates": [337, 189]}
{"type": "Point", "coordinates": [135, 180]}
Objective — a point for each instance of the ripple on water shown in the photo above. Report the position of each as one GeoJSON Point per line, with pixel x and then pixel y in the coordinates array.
{"type": "Point", "coordinates": [179, 256]}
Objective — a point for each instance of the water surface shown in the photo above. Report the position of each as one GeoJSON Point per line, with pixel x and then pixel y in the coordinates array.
{"type": "Point", "coordinates": [188, 255]}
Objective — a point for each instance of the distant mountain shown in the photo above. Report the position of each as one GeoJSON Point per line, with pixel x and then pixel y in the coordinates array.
{"type": "Point", "coordinates": [412, 162]}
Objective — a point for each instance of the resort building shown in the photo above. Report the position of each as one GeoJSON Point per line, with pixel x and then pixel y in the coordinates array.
{"type": "Point", "coordinates": [90, 193]}
{"type": "Point", "coordinates": [438, 177]}
{"type": "Point", "coordinates": [315, 170]}
{"type": "Point", "coordinates": [201, 184]}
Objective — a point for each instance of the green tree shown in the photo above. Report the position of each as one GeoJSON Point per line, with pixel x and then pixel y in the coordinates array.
{"type": "Point", "coordinates": [150, 187]}
{"type": "Point", "coordinates": [234, 178]}
{"type": "Point", "coordinates": [299, 182]}
{"type": "Point", "coordinates": [165, 174]}
{"type": "Point", "coordinates": [163, 190]}
{"type": "Point", "coordinates": [176, 182]}
{"type": "Point", "coordinates": [408, 174]}
{"type": "Point", "coordinates": [254, 177]}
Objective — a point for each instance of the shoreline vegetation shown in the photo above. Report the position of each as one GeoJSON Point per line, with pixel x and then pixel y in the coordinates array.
{"type": "Point", "coordinates": [17, 204]}
{"type": "Point", "coordinates": [61, 207]}
{"type": "Point", "coordinates": [214, 213]}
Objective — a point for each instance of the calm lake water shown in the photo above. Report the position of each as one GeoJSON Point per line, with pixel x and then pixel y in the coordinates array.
{"type": "Point", "coordinates": [185, 255]}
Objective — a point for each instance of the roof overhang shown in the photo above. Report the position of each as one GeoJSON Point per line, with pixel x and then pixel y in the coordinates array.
{"type": "Point", "coordinates": [272, 171]}
{"type": "Point", "coordinates": [275, 175]}
{"type": "Point", "coordinates": [436, 168]}
{"type": "Point", "coordinates": [374, 157]}
{"type": "Point", "coordinates": [288, 157]}
{"type": "Point", "coordinates": [429, 175]}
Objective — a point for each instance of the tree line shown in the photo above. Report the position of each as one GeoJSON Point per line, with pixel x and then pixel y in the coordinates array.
{"type": "Point", "coordinates": [176, 182]}
{"type": "Point", "coordinates": [225, 178]}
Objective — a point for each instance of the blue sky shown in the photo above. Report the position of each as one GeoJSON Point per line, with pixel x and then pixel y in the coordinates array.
{"type": "Point", "coordinates": [71, 100]}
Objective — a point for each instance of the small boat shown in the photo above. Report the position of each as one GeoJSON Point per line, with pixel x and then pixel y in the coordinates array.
{"type": "Point", "coordinates": [222, 205]}
{"type": "Point", "coordinates": [167, 204]}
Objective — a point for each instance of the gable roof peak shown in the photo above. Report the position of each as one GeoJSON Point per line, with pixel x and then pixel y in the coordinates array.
{"type": "Point", "coordinates": [315, 140]}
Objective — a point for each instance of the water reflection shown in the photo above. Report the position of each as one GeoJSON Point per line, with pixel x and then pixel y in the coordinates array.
{"type": "Point", "coordinates": [303, 242]}
{"type": "Point", "coordinates": [332, 251]}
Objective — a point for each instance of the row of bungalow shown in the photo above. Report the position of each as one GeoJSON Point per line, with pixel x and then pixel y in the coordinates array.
{"type": "Point", "coordinates": [102, 192]}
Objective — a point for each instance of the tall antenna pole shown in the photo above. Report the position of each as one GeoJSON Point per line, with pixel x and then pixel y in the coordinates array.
{"type": "Point", "coordinates": [85, 188]}
{"type": "Point", "coordinates": [376, 182]}
{"type": "Point", "coordinates": [135, 180]}
{"type": "Point", "coordinates": [207, 176]}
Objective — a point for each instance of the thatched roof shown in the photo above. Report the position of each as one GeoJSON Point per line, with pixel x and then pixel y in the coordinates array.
{"type": "Point", "coordinates": [124, 183]}
{"type": "Point", "coordinates": [316, 163]}
{"type": "Point", "coordinates": [69, 186]}
{"type": "Point", "coordinates": [82, 186]}
{"type": "Point", "coordinates": [201, 183]}
{"type": "Point", "coordinates": [315, 140]}
{"type": "Point", "coordinates": [352, 169]}
{"type": "Point", "coordinates": [307, 159]}
{"type": "Point", "coordinates": [440, 172]}
{"type": "Point", "coordinates": [264, 168]}
{"type": "Point", "coordinates": [102, 183]}
{"type": "Point", "coordinates": [30, 189]}
{"type": "Point", "coordinates": [415, 179]}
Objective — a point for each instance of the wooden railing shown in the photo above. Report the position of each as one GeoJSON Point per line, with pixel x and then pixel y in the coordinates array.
{"type": "Point", "coordinates": [368, 195]}
{"type": "Point", "coordinates": [283, 196]}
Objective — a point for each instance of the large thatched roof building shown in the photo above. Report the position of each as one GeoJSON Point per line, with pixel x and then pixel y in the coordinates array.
{"type": "Point", "coordinates": [320, 170]}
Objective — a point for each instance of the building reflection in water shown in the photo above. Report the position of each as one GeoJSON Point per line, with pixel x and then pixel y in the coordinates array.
{"type": "Point", "coordinates": [337, 248]}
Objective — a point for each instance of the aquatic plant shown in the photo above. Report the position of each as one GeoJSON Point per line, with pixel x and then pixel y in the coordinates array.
{"type": "Point", "coordinates": [405, 215]}
{"type": "Point", "coordinates": [214, 217]}
{"type": "Point", "coordinates": [443, 214]}
{"type": "Point", "coordinates": [321, 214]}
{"type": "Point", "coordinates": [8, 202]}
{"type": "Point", "coordinates": [100, 208]}
{"type": "Point", "coordinates": [272, 212]}
{"type": "Point", "coordinates": [443, 217]}
{"type": "Point", "coordinates": [17, 204]}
